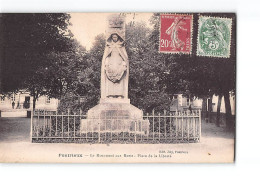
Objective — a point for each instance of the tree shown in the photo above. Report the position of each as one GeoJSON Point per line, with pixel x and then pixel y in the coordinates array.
{"type": "Point", "coordinates": [218, 110]}
{"type": "Point", "coordinates": [26, 41]}
{"type": "Point", "coordinates": [92, 71]}
{"type": "Point", "coordinates": [35, 85]}
{"type": "Point", "coordinates": [145, 90]}
{"type": "Point", "coordinates": [30, 44]}
{"type": "Point", "coordinates": [86, 78]}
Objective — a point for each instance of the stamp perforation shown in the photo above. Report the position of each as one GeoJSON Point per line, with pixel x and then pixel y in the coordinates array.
{"type": "Point", "coordinates": [230, 36]}
{"type": "Point", "coordinates": [191, 34]}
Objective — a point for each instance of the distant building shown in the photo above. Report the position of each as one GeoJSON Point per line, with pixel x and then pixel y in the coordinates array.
{"type": "Point", "coordinates": [181, 102]}
{"type": "Point", "coordinates": [17, 104]}
{"type": "Point", "coordinates": [222, 107]}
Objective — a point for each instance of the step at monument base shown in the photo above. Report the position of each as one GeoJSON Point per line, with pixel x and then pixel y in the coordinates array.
{"type": "Point", "coordinates": [114, 116]}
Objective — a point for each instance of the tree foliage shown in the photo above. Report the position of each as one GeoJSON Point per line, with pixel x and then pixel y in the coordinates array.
{"type": "Point", "coordinates": [145, 90]}
{"type": "Point", "coordinates": [26, 40]}
{"type": "Point", "coordinates": [86, 90]}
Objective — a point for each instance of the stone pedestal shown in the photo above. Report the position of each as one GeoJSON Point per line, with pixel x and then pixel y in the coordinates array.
{"type": "Point", "coordinates": [115, 115]}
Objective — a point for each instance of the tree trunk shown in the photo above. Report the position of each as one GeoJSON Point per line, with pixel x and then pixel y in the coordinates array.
{"type": "Point", "coordinates": [218, 111]}
{"type": "Point", "coordinates": [228, 111]}
{"type": "Point", "coordinates": [204, 108]}
{"type": "Point", "coordinates": [34, 102]}
{"type": "Point", "coordinates": [210, 109]}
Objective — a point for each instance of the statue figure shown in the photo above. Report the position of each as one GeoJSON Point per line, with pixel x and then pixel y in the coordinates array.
{"type": "Point", "coordinates": [114, 102]}
{"type": "Point", "coordinates": [115, 69]}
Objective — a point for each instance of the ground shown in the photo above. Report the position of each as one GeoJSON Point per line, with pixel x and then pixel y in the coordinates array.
{"type": "Point", "coordinates": [216, 145]}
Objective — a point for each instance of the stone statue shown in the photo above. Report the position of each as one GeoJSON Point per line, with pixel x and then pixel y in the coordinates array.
{"type": "Point", "coordinates": [115, 69]}
{"type": "Point", "coordinates": [114, 103]}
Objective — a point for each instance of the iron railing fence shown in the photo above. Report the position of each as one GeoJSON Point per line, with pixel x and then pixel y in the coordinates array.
{"type": "Point", "coordinates": [174, 127]}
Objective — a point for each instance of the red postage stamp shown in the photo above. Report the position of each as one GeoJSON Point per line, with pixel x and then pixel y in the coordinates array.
{"type": "Point", "coordinates": [176, 33]}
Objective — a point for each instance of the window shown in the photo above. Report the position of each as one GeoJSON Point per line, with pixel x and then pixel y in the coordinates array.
{"type": "Point", "coordinates": [13, 97]}
{"type": "Point", "coordinates": [186, 101]}
{"type": "Point", "coordinates": [180, 100]}
{"type": "Point", "coordinates": [82, 99]}
{"type": "Point", "coordinates": [2, 99]}
{"type": "Point", "coordinates": [48, 100]}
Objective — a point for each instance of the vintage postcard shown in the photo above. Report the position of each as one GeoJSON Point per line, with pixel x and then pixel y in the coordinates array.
{"type": "Point", "coordinates": [117, 87]}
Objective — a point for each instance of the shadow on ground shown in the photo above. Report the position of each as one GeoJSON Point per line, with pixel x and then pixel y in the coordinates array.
{"type": "Point", "coordinates": [210, 130]}
{"type": "Point", "coordinates": [15, 129]}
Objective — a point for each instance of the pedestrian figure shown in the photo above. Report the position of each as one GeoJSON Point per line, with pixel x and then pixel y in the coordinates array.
{"type": "Point", "coordinates": [13, 104]}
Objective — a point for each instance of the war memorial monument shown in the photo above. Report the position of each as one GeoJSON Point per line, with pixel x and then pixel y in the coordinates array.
{"type": "Point", "coordinates": [114, 113]}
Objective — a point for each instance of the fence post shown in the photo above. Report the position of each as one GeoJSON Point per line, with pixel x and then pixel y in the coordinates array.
{"type": "Point", "coordinates": [62, 125]}
{"type": "Point", "coordinates": [68, 122]}
{"type": "Point", "coordinates": [43, 122]}
{"type": "Point", "coordinates": [141, 128]}
{"type": "Point", "coordinates": [93, 122]}
{"type": "Point", "coordinates": [193, 124]}
{"type": "Point", "coordinates": [159, 126]}
{"type": "Point", "coordinates": [177, 125]}
{"type": "Point", "coordinates": [31, 125]}
{"type": "Point", "coordinates": [50, 124]}
{"type": "Point", "coordinates": [182, 125]}
{"type": "Point", "coordinates": [99, 128]}
{"type": "Point", "coordinates": [147, 114]}
{"type": "Point", "coordinates": [135, 131]}
{"type": "Point", "coordinates": [87, 127]}
{"type": "Point", "coordinates": [165, 118]}
{"type": "Point", "coordinates": [111, 127]}
{"type": "Point", "coordinates": [199, 125]}
{"type": "Point", "coordinates": [38, 124]}
{"type": "Point", "coordinates": [56, 124]}
{"type": "Point", "coordinates": [188, 125]}
{"type": "Point", "coordinates": [105, 127]}
{"type": "Point", "coordinates": [80, 114]}
{"type": "Point", "coordinates": [74, 127]}
{"type": "Point", "coordinates": [123, 129]}
{"type": "Point", "coordinates": [153, 123]}
{"type": "Point", "coordinates": [117, 127]}
{"type": "Point", "coordinates": [170, 125]}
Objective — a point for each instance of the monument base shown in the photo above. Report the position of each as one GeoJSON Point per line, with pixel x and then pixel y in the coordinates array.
{"type": "Point", "coordinates": [115, 115]}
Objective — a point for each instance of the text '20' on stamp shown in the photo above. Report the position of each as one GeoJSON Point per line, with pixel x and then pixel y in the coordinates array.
{"type": "Point", "coordinates": [176, 33]}
{"type": "Point", "coordinates": [214, 36]}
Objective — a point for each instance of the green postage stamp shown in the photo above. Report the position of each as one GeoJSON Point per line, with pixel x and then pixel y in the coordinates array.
{"type": "Point", "coordinates": [214, 36]}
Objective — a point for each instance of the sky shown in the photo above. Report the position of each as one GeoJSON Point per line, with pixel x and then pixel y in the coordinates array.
{"type": "Point", "coordinates": [86, 26]}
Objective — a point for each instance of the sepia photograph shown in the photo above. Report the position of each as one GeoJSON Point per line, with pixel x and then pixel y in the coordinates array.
{"type": "Point", "coordinates": [125, 87]}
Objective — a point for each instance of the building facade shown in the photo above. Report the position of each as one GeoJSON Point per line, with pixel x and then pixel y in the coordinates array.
{"type": "Point", "coordinates": [17, 104]}
{"type": "Point", "coordinates": [222, 107]}
{"type": "Point", "coordinates": [181, 102]}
